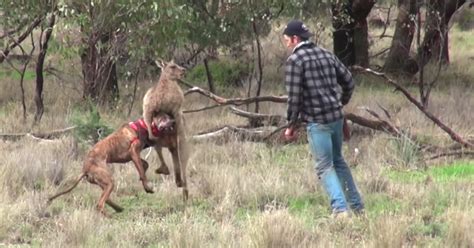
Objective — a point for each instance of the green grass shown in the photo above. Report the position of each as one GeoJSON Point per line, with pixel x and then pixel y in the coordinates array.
{"type": "Point", "coordinates": [461, 171]}
{"type": "Point", "coordinates": [12, 74]}
{"type": "Point", "coordinates": [288, 154]}
{"type": "Point", "coordinates": [380, 203]}
{"type": "Point", "coordinates": [308, 207]}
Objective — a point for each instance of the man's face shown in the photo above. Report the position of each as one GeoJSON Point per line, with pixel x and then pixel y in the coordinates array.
{"type": "Point", "coordinates": [290, 41]}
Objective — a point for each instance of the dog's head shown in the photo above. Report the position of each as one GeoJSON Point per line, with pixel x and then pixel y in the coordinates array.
{"type": "Point", "coordinates": [163, 124]}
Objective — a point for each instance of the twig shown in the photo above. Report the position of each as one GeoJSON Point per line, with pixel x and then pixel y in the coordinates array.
{"type": "Point", "coordinates": [385, 111]}
{"type": "Point", "coordinates": [15, 43]}
{"type": "Point", "coordinates": [381, 52]}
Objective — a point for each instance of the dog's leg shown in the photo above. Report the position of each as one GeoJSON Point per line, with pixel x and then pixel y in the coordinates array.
{"type": "Point", "coordinates": [145, 165]}
{"type": "Point", "coordinates": [102, 176]}
{"type": "Point", "coordinates": [135, 154]}
{"type": "Point", "coordinates": [163, 169]}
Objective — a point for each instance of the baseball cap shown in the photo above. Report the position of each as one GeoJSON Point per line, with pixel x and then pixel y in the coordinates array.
{"type": "Point", "coordinates": [297, 27]}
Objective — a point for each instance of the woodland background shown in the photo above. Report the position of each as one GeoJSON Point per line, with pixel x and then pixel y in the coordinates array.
{"type": "Point", "coordinates": [73, 71]}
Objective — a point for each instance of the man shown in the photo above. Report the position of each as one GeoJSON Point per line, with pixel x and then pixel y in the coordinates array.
{"type": "Point", "coordinates": [318, 86]}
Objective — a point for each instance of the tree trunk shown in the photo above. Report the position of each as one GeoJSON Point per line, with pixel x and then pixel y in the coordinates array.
{"type": "Point", "coordinates": [39, 69]}
{"type": "Point", "coordinates": [260, 66]}
{"type": "Point", "coordinates": [398, 59]}
{"type": "Point", "coordinates": [435, 41]}
{"type": "Point", "coordinates": [210, 80]}
{"type": "Point", "coordinates": [343, 34]}
{"type": "Point", "coordinates": [351, 44]}
{"type": "Point", "coordinates": [99, 70]}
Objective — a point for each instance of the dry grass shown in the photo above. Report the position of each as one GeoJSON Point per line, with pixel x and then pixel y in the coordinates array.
{"type": "Point", "coordinates": [242, 194]}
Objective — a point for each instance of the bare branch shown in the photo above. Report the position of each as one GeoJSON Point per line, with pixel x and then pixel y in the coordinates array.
{"type": "Point", "coordinates": [21, 38]}
{"type": "Point", "coordinates": [227, 133]}
{"type": "Point", "coordinates": [257, 117]}
{"type": "Point", "coordinates": [43, 44]}
{"type": "Point", "coordinates": [236, 101]}
{"type": "Point", "coordinates": [456, 137]}
{"type": "Point", "coordinates": [385, 111]}
{"type": "Point", "coordinates": [202, 109]}
{"type": "Point", "coordinates": [12, 31]}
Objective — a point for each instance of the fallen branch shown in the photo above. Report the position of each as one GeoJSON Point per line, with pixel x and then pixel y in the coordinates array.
{"type": "Point", "coordinates": [236, 101]}
{"type": "Point", "coordinates": [456, 137]}
{"type": "Point", "coordinates": [449, 154]}
{"type": "Point", "coordinates": [235, 133]}
{"type": "Point", "coordinates": [272, 120]}
{"type": "Point", "coordinates": [380, 125]}
{"type": "Point", "coordinates": [46, 135]}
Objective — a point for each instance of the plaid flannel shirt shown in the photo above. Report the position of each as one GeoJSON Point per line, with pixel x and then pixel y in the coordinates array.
{"type": "Point", "coordinates": [318, 85]}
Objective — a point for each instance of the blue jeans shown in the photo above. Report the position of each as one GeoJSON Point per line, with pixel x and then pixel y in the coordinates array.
{"type": "Point", "coordinates": [325, 141]}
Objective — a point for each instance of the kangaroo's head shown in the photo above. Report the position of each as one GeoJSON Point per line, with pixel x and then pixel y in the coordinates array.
{"type": "Point", "coordinates": [171, 70]}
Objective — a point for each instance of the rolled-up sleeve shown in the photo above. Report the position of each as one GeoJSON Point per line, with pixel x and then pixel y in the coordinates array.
{"type": "Point", "coordinates": [345, 80]}
{"type": "Point", "coordinates": [293, 83]}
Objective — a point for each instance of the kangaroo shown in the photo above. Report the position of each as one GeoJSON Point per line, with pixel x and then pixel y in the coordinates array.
{"type": "Point", "coordinates": [167, 97]}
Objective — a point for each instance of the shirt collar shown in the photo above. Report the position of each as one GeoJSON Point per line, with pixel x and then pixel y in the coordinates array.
{"type": "Point", "coordinates": [302, 43]}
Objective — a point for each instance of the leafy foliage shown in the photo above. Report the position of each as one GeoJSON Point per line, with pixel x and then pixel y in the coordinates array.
{"type": "Point", "coordinates": [225, 73]}
{"type": "Point", "coordinates": [89, 126]}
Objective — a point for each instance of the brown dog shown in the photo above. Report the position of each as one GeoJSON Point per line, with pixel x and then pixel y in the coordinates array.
{"type": "Point", "coordinates": [124, 145]}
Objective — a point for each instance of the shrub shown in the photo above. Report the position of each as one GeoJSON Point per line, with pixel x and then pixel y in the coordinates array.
{"type": "Point", "coordinates": [89, 126]}
{"type": "Point", "coordinates": [406, 153]}
{"type": "Point", "coordinates": [224, 73]}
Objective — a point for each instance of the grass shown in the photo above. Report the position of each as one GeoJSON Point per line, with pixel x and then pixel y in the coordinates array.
{"type": "Point", "coordinates": [460, 171]}
{"type": "Point", "coordinates": [244, 194]}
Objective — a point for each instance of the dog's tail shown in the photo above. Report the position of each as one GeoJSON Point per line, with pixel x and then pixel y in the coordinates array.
{"type": "Point", "coordinates": [76, 182]}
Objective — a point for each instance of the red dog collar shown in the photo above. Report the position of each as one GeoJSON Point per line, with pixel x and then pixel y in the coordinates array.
{"type": "Point", "coordinates": [140, 127]}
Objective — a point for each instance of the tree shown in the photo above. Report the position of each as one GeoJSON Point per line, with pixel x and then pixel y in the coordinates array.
{"type": "Point", "coordinates": [435, 41]}
{"type": "Point", "coordinates": [350, 37]}
{"type": "Point", "coordinates": [43, 46]}
{"type": "Point", "coordinates": [398, 59]}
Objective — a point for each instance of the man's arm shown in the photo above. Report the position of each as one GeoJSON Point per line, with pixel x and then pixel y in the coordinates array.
{"type": "Point", "coordinates": [344, 78]}
{"type": "Point", "coordinates": [293, 83]}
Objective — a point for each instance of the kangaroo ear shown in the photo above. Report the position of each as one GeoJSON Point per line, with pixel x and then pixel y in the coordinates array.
{"type": "Point", "coordinates": [160, 63]}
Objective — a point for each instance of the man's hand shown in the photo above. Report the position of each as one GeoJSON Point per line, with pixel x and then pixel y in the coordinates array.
{"type": "Point", "coordinates": [290, 134]}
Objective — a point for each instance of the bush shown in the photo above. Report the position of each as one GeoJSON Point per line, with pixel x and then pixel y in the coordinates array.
{"type": "Point", "coordinates": [406, 153]}
{"type": "Point", "coordinates": [89, 126]}
{"type": "Point", "coordinates": [224, 73]}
